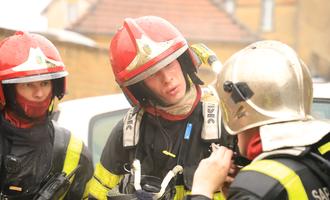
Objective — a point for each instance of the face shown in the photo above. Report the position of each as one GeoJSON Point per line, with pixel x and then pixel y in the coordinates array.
{"type": "Point", "coordinates": [35, 91]}
{"type": "Point", "coordinates": [168, 83]}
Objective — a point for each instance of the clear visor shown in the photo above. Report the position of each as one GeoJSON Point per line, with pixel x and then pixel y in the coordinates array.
{"type": "Point", "coordinates": [39, 77]}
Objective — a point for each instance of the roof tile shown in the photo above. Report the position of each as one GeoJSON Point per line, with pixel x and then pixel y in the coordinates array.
{"type": "Point", "coordinates": [196, 19]}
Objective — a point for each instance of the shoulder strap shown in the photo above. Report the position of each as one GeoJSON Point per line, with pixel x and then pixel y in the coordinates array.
{"type": "Point", "coordinates": [212, 121]}
{"type": "Point", "coordinates": [66, 150]}
{"type": "Point", "coordinates": [211, 128]}
{"type": "Point", "coordinates": [66, 153]}
{"type": "Point", "coordinates": [61, 139]}
{"type": "Point", "coordinates": [131, 128]}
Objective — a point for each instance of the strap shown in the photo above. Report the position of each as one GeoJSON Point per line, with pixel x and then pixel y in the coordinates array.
{"type": "Point", "coordinates": [131, 128]}
{"type": "Point", "coordinates": [61, 137]}
{"type": "Point", "coordinates": [212, 121]}
{"type": "Point", "coordinates": [73, 153]}
{"type": "Point", "coordinates": [66, 155]}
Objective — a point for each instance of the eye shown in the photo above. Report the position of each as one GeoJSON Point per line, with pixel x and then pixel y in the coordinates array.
{"type": "Point", "coordinates": [45, 83]}
{"type": "Point", "coordinates": [27, 85]}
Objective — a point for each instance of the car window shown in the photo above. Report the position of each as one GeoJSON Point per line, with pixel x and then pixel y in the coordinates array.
{"type": "Point", "coordinates": [100, 127]}
{"type": "Point", "coordinates": [321, 108]}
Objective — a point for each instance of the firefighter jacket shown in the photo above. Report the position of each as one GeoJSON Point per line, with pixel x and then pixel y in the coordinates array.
{"type": "Point", "coordinates": [161, 146]}
{"type": "Point", "coordinates": [288, 173]}
{"type": "Point", "coordinates": [30, 157]}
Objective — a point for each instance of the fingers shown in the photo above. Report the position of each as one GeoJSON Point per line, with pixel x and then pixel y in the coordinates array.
{"type": "Point", "coordinates": [218, 164]}
{"type": "Point", "coordinates": [229, 179]}
{"type": "Point", "coordinates": [222, 153]}
{"type": "Point", "coordinates": [231, 171]}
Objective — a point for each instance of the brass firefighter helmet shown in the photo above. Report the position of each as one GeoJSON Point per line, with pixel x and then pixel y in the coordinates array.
{"type": "Point", "coordinates": [264, 83]}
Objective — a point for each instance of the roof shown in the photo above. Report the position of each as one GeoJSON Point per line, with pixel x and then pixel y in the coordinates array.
{"type": "Point", "coordinates": [68, 36]}
{"type": "Point", "coordinates": [196, 19]}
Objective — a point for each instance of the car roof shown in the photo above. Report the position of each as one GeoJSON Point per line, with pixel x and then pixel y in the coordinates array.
{"type": "Point", "coordinates": [321, 90]}
{"type": "Point", "coordinates": [84, 109]}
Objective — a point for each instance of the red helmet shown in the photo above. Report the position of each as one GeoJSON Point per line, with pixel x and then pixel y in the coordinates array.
{"type": "Point", "coordinates": [28, 57]}
{"type": "Point", "coordinates": [142, 47]}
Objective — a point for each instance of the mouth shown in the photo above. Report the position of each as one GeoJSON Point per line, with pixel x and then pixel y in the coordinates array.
{"type": "Point", "coordinates": [173, 90]}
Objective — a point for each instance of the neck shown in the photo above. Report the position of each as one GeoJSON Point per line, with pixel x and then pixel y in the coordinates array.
{"type": "Point", "coordinates": [180, 110]}
{"type": "Point", "coordinates": [21, 122]}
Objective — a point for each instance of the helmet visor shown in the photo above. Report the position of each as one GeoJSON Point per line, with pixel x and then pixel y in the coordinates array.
{"type": "Point", "coordinates": [39, 77]}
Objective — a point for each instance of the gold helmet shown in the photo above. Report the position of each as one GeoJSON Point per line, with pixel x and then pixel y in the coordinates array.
{"type": "Point", "coordinates": [264, 83]}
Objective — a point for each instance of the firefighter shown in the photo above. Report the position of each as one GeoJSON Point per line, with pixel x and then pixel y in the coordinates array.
{"type": "Point", "coordinates": [169, 124]}
{"type": "Point", "coordinates": [39, 159]}
{"type": "Point", "coordinates": [266, 92]}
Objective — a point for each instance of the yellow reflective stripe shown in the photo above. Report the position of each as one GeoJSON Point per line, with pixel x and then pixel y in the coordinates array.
{"type": "Point", "coordinates": [72, 154]}
{"type": "Point", "coordinates": [97, 190]}
{"type": "Point", "coordinates": [181, 193]}
{"type": "Point", "coordinates": [324, 148]}
{"type": "Point", "coordinates": [286, 176]}
{"type": "Point", "coordinates": [105, 177]}
{"type": "Point", "coordinates": [72, 157]}
{"type": "Point", "coordinates": [219, 196]}
{"type": "Point", "coordinates": [87, 188]}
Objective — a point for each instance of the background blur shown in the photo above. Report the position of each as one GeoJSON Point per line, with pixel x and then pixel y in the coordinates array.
{"type": "Point", "coordinates": [82, 30]}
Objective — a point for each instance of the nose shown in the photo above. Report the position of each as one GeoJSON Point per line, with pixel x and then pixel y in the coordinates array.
{"type": "Point", "coordinates": [165, 76]}
{"type": "Point", "coordinates": [38, 92]}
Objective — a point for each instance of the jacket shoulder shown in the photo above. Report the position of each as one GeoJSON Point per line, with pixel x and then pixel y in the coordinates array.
{"type": "Point", "coordinates": [276, 178]}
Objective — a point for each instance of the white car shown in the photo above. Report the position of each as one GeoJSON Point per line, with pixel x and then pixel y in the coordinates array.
{"type": "Point", "coordinates": [93, 118]}
{"type": "Point", "coordinates": [321, 100]}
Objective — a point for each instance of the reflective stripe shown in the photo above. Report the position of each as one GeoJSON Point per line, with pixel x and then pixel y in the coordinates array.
{"type": "Point", "coordinates": [87, 188]}
{"type": "Point", "coordinates": [286, 176]}
{"type": "Point", "coordinates": [105, 177]}
{"type": "Point", "coordinates": [324, 148]}
{"type": "Point", "coordinates": [72, 156]}
{"type": "Point", "coordinates": [97, 190]}
{"type": "Point", "coordinates": [181, 193]}
{"type": "Point", "coordinates": [102, 182]}
{"type": "Point", "coordinates": [219, 196]}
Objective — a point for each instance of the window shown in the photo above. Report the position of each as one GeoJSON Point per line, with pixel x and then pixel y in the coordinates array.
{"type": "Point", "coordinates": [321, 108]}
{"type": "Point", "coordinates": [267, 18]}
{"type": "Point", "coordinates": [72, 13]}
{"type": "Point", "coordinates": [100, 127]}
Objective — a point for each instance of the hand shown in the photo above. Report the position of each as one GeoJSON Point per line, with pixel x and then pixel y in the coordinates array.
{"type": "Point", "coordinates": [233, 170]}
{"type": "Point", "coordinates": [212, 172]}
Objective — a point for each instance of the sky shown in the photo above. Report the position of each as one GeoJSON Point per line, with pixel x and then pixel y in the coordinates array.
{"type": "Point", "coordinates": [23, 14]}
